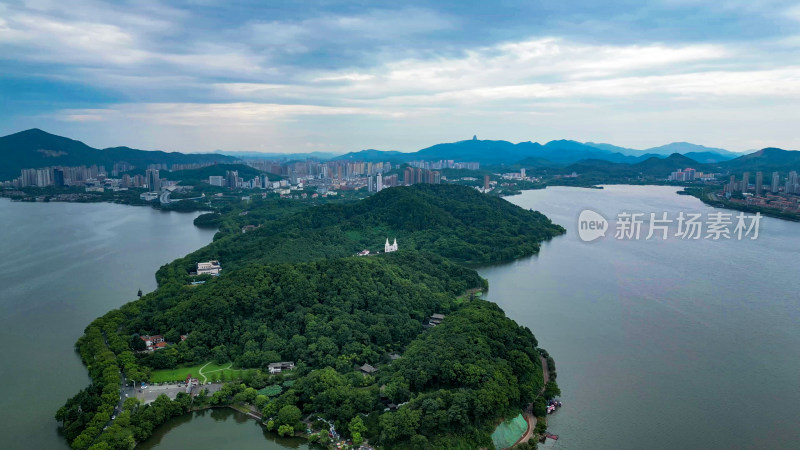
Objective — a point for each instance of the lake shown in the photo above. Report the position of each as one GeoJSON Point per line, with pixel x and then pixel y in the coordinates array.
{"type": "Point", "coordinates": [62, 266]}
{"type": "Point", "coordinates": [662, 343]}
{"type": "Point", "coordinates": [658, 344]}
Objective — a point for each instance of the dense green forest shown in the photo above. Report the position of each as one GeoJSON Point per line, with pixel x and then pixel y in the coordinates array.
{"type": "Point", "coordinates": [291, 290]}
{"type": "Point", "coordinates": [452, 221]}
{"type": "Point", "coordinates": [335, 313]}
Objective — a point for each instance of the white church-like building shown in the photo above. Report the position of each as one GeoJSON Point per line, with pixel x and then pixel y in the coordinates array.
{"type": "Point", "coordinates": [388, 248]}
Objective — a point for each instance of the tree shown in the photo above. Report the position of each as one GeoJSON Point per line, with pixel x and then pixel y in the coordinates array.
{"type": "Point", "coordinates": [551, 390]}
{"type": "Point", "coordinates": [357, 426]}
{"type": "Point", "coordinates": [285, 430]}
{"type": "Point", "coordinates": [288, 415]}
{"type": "Point", "coordinates": [172, 336]}
{"type": "Point", "coordinates": [137, 344]}
{"type": "Point", "coordinates": [220, 354]}
{"type": "Point", "coordinates": [539, 407]}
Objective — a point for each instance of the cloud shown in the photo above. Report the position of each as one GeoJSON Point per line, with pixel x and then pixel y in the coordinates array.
{"type": "Point", "coordinates": [202, 114]}
{"type": "Point", "coordinates": [332, 68]}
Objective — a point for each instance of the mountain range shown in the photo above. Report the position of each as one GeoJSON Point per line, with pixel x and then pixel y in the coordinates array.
{"type": "Point", "coordinates": [36, 148]}
{"type": "Point", "coordinates": [558, 152]}
{"type": "Point", "coordinates": [766, 160]}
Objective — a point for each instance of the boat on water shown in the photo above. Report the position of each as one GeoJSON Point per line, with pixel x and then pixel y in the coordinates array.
{"type": "Point", "coordinates": [552, 405]}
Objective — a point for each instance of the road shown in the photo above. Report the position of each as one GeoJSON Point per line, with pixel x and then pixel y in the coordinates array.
{"type": "Point", "coordinates": [164, 199]}
{"type": "Point", "coordinates": [150, 393]}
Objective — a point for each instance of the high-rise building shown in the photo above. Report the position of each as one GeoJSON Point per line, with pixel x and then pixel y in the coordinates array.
{"type": "Point", "coordinates": [379, 182]}
{"type": "Point", "coordinates": [791, 183]}
{"type": "Point", "coordinates": [390, 181]}
{"type": "Point", "coordinates": [408, 176]}
{"type": "Point", "coordinates": [58, 177]}
{"type": "Point", "coordinates": [370, 184]}
{"type": "Point", "coordinates": [231, 179]}
{"type": "Point", "coordinates": [776, 181]}
{"type": "Point", "coordinates": [732, 184]}
{"type": "Point", "coordinates": [153, 180]}
{"type": "Point", "coordinates": [486, 182]}
{"type": "Point", "coordinates": [745, 181]}
{"type": "Point", "coordinates": [759, 182]}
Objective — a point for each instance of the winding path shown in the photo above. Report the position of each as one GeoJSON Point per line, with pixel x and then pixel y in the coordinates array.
{"type": "Point", "coordinates": [528, 414]}
{"type": "Point", "coordinates": [205, 379]}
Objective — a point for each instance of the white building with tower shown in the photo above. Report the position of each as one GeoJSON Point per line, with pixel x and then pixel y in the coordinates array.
{"type": "Point", "coordinates": [388, 248]}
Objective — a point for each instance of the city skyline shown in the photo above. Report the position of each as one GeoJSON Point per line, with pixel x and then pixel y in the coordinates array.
{"type": "Point", "coordinates": [344, 76]}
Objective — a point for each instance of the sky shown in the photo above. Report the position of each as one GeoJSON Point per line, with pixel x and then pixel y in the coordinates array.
{"type": "Point", "coordinates": [337, 76]}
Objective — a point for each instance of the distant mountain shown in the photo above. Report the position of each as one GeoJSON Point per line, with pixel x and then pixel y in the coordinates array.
{"type": "Point", "coordinates": [707, 157]}
{"type": "Point", "coordinates": [686, 147]}
{"type": "Point", "coordinates": [35, 148]}
{"type": "Point", "coordinates": [483, 151]}
{"type": "Point", "coordinates": [766, 160]}
{"type": "Point", "coordinates": [372, 155]}
{"type": "Point", "coordinates": [656, 166]}
{"type": "Point", "coordinates": [533, 154]}
{"type": "Point", "coordinates": [698, 152]}
{"type": "Point", "coordinates": [653, 166]}
{"type": "Point", "coordinates": [615, 148]}
{"type": "Point", "coordinates": [490, 152]}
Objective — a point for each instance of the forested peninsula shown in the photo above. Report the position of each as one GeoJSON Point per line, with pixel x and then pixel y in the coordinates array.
{"type": "Point", "coordinates": [367, 359]}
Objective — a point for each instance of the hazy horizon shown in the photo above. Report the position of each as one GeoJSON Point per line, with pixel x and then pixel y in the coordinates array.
{"type": "Point", "coordinates": [339, 153]}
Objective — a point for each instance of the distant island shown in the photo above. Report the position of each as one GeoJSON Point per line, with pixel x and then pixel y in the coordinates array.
{"type": "Point", "coordinates": [316, 324]}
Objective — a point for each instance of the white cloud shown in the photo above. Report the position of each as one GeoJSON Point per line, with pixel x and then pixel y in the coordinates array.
{"type": "Point", "coordinates": [203, 114]}
{"type": "Point", "coordinates": [331, 68]}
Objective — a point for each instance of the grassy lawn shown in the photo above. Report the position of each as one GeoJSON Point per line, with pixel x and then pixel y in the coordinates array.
{"type": "Point", "coordinates": [180, 373]}
{"type": "Point", "coordinates": [212, 371]}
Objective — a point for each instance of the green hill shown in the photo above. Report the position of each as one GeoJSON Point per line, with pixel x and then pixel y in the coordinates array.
{"type": "Point", "coordinates": [292, 291]}
{"type": "Point", "coordinates": [766, 160]}
{"type": "Point", "coordinates": [661, 167]}
{"type": "Point", "coordinates": [453, 221]}
{"type": "Point", "coordinates": [35, 148]}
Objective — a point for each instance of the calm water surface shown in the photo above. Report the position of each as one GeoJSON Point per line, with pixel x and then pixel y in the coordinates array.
{"type": "Point", "coordinates": [658, 344]}
{"type": "Point", "coordinates": [215, 429]}
{"type": "Point", "coordinates": [63, 265]}
{"type": "Point", "coordinates": [662, 344]}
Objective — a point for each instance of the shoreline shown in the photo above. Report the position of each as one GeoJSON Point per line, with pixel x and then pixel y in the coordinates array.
{"type": "Point", "coordinates": [99, 331]}
{"type": "Point", "coordinates": [703, 197]}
